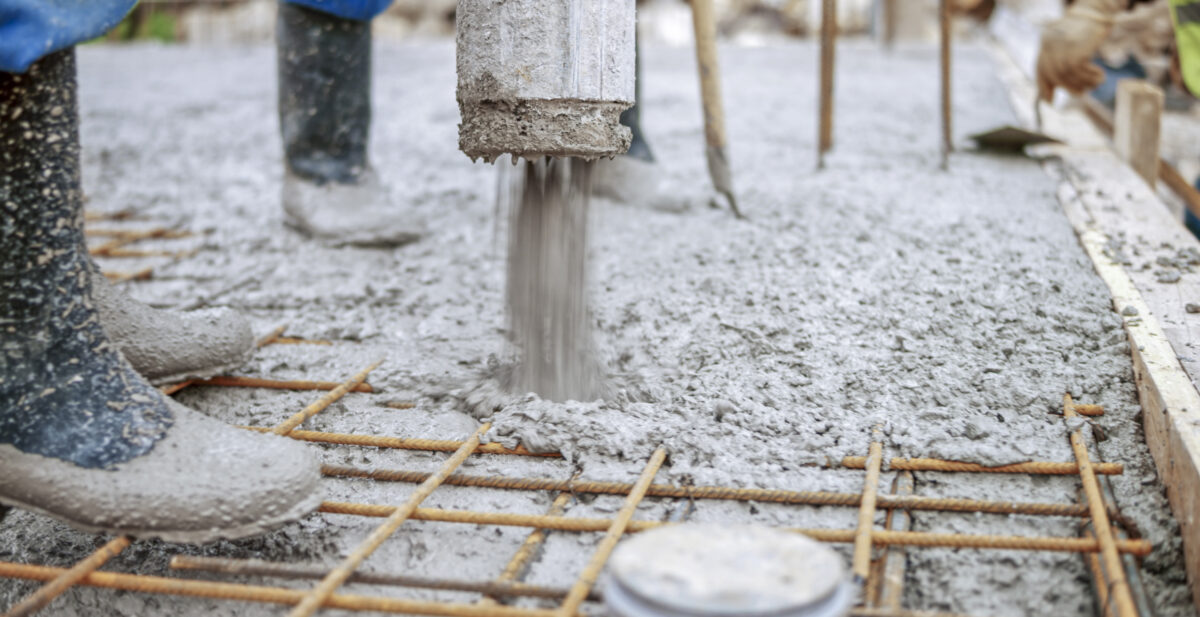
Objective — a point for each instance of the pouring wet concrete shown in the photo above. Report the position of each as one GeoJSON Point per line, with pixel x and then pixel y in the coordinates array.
{"type": "Point", "coordinates": [952, 309]}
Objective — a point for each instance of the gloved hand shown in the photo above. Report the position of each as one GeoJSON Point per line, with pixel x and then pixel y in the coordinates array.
{"type": "Point", "coordinates": [1070, 43]}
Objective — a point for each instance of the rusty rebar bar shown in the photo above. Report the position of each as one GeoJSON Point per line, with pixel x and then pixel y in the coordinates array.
{"type": "Point", "coordinates": [808, 498]}
{"type": "Point", "coordinates": [141, 253]}
{"type": "Point", "coordinates": [516, 566]}
{"type": "Point", "coordinates": [161, 233]}
{"type": "Point", "coordinates": [175, 387]}
{"type": "Point", "coordinates": [256, 382]}
{"type": "Point", "coordinates": [68, 578]}
{"type": "Point", "coordinates": [1099, 580]}
{"type": "Point", "coordinates": [295, 340]}
{"type": "Point", "coordinates": [276, 337]}
{"type": "Point", "coordinates": [861, 564]}
{"type": "Point", "coordinates": [123, 238]}
{"type": "Point", "coordinates": [124, 214]}
{"type": "Point", "coordinates": [271, 336]}
{"type": "Point", "coordinates": [879, 537]}
{"type": "Point", "coordinates": [825, 87]}
{"type": "Point", "coordinates": [258, 567]}
{"type": "Point", "coordinates": [587, 578]}
{"type": "Point", "coordinates": [889, 24]}
{"type": "Point", "coordinates": [320, 404]}
{"type": "Point", "coordinates": [946, 106]}
{"type": "Point", "coordinates": [137, 275]}
{"type": "Point", "coordinates": [273, 595]}
{"type": "Point", "coordinates": [402, 443]}
{"type": "Point", "coordinates": [704, 26]}
{"type": "Point", "coordinates": [1110, 556]}
{"type": "Point", "coordinates": [318, 596]}
{"type": "Point", "coordinates": [1068, 468]}
{"type": "Point", "coordinates": [1044, 468]}
{"type": "Point", "coordinates": [894, 560]}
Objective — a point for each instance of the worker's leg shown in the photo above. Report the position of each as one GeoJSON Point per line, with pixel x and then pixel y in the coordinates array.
{"type": "Point", "coordinates": [82, 436]}
{"type": "Point", "coordinates": [639, 148]}
{"type": "Point", "coordinates": [159, 344]}
{"type": "Point", "coordinates": [324, 94]}
{"type": "Point", "coordinates": [330, 191]}
{"type": "Point", "coordinates": [635, 177]}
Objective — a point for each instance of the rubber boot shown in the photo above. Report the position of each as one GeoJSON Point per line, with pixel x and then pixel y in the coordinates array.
{"type": "Point", "coordinates": [635, 177]}
{"type": "Point", "coordinates": [172, 346]}
{"type": "Point", "coordinates": [83, 437]}
{"type": "Point", "coordinates": [329, 190]}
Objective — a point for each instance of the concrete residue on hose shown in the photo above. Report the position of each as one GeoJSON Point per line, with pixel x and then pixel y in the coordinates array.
{"type": "Point", "coordinates": [532, 129]}
{"type": "Point", "coordinates": [544, 78]}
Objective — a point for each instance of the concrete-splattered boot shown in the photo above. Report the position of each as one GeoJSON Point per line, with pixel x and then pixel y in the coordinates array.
{"type": "Point", "coordinates": [329, 190]}
{"type": "Point", "coordinates": [84, 438]}
{"type": "Point", "coordinates": [635, 177]}
{"type": "Point", "coordinates": [169, 346]}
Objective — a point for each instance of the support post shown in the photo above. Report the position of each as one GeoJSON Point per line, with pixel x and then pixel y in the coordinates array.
{"type": "Point", "coordinates": [889, 23]}
{"type": "Point", "coordinates": [1137, 126]}
{"type": "Point", "coordinates": [947, 113]}
{"type": "Point", "coordinates": [705, 26]}
{"type": "Point", "coordinates": [825, 106]}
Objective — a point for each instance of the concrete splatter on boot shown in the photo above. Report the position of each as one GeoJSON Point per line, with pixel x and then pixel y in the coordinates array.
{"type": "Point", "coordinates": [84, 438]}
{"type": "Point", "coordinates": [635, 177]}
{"type": "Point", "coordinates": [170, 346]}
{"type": "Point", "coordinates": [329, 191]}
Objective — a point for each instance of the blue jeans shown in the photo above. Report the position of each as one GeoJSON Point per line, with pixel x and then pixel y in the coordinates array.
{"type": "Point", "coordinates": [358, 10]}
{"type": "Point", "coordinates": [30, 29]}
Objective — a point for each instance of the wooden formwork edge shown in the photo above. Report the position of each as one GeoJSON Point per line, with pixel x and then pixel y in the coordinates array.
{"type": "Point", "coordinates": [1169, 399]}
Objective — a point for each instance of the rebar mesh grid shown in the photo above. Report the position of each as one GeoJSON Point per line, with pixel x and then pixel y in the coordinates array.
{"type": "Point", "coordinates": [1107, 549]}
{"type": "Point", "coordinates": [115, 242]}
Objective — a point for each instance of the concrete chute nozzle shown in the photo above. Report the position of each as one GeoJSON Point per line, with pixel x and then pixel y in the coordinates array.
{"type": "Point", "coordinates": [544, 77]}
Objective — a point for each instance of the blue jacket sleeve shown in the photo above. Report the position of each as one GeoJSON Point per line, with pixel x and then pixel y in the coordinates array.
{"type": "Point", "coordinates": [358, 10]}
{"type": "Point", "coordinates": [30, 29]}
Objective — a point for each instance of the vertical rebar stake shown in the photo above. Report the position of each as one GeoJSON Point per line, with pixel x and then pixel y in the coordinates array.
{"type": "Point", "coordinates": [583, 586]}
{"type": "Point", "coordinates": [825, 103]}
{"type": "Point", "coordinates": [894, 560]}
{"type": "Point", "coordinates": [520, 560]}
{"type": "Point", "coordinates": [325, 401]}
{"type": "Point", "coordinates": [316, 597]}
{"type": "Point", "coordinates": [889, 24]}
{"type": "Point", "coordinates": [1119, 594]}
{"type": "Point", "coordinates": [947, 126]}
{"type": "Point", "coordinates": [866, 513]}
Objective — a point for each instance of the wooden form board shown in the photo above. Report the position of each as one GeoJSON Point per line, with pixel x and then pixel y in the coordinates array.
{"type": "Point", "coordinates": [1106, 200]}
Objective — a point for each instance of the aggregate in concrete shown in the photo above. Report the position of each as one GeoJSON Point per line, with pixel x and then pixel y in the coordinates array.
{"type": "Point", "coordinates": [952, 309]}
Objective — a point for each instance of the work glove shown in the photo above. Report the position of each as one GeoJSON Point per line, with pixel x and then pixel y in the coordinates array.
{"type": "Point", "coordinates": [1070, 43]}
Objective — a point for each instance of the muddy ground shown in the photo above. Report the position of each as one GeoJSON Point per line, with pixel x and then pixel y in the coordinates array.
{"type": "Point", "coordinates": [949, 309]}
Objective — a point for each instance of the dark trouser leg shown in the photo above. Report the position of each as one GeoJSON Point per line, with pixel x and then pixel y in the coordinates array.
{"type": "Point", "coordinates": [82, 436]}
{"type": "Point", "coordinates": [324, 93]}
{"type": "Point", "coordinates": [329, 191]}
{"type": "Point", "coordinates": [632, 117]}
